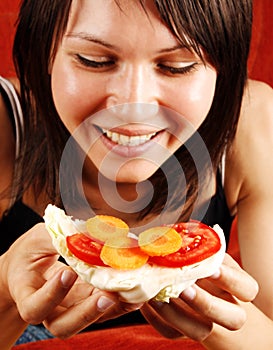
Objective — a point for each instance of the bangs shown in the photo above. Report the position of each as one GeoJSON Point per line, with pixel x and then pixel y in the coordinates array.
{"type": "Point", "coordinates": [172, 15]}
{"type": "Point", "coordinates": [186, 22]}
{"type": "Point", "coordinates": [212, 29]}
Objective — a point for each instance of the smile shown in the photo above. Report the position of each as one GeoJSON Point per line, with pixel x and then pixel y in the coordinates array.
{"type": "Point", "coordinates": [126, 140]}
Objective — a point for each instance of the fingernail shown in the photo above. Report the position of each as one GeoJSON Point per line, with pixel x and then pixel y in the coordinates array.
{"type": "Point", "coordinates": [68, 278]}
{"type": "Point", "coordinates": [216, 274]}
{"type": "Point", "coordinates": [104, 303]}
{"type": "Point", "coordinates": [189, 293]}
{"type": "Point", "coordinates": [156, 304]}
{"type": "Point", "coordinates": [133, 307]}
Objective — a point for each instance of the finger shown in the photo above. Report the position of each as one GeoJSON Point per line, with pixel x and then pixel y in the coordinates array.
{"type": "Point", "coordinates": [233, 279]}
{"type": "Point", "coordinates": [77, 294]}
{"type": "Point", "coordinates": [227, 313]}
{"type": "Point", "coordinates": [119, 309]}
{"type": "Point", "coordinates": [37, 304]}
{"type": "Point", "coordinates": [180, 317]}
{"type": "Point", "coordinates": [158, 323]}
{"type": "Point", "coordinates": [66, 323]}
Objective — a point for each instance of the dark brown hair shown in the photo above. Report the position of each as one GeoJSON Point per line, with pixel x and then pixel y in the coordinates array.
{"type": "Point", "coordinates": [221, 29]}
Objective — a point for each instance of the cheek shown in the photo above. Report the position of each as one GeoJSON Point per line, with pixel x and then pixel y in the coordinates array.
{"type": "Point", "coordinates": [71, 95]}
{"type": "Point", "coordinates": [68, 100]}
{"type": "Point", "coordinates": [195, 97]}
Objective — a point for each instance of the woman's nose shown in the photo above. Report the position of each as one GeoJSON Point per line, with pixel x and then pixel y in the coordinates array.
{"type": "Point", "coordinates": [133, 95]}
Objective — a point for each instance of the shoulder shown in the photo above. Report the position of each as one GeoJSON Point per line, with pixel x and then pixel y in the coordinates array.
{"type": "Point", "coordinates": [7, 150]}
{"type": "Point", "coordinates": [258, 98]}
{"type": "Point", "coordinates": [250, 161]}
{"type": "Point", "coordinates": [255, 128]}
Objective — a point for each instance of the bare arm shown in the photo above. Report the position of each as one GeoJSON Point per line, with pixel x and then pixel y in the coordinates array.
{"type": "Point", "coordinates": [10, 320]}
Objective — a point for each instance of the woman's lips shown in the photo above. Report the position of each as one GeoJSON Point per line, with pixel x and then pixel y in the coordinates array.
{"type": "Point", "coordinates": [128, 143]}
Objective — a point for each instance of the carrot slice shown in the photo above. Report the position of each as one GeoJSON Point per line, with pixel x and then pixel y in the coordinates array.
{"type": "Point", "coordinates": [123, 253]}
{"type": "Point", "coordinates": [101, 227]}
{"type": "Point", "coordinates": [159, 241]}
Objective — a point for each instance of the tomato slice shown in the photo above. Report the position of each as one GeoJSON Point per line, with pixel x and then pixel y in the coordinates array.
{"type": "Point", "coordinates": [84, 248]}
{"type": "Point", "coordinates": [199, 242]}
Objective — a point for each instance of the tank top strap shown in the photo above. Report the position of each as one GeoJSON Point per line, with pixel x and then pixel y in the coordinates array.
{"type": "Point", "coordinates": [15, 111]}
{"type": "Point", "coordinates": [222, 168]}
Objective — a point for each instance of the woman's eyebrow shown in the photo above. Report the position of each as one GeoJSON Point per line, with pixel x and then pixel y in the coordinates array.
{"type": "Point", "coordinates": [94, 39]}
{"type": "Point", "coordinates": [173, 48]}
{"type": "Point", "coordinates": [91, 38]}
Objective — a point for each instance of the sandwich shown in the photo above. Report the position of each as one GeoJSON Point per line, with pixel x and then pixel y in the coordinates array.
{"type": "Point", "coordinates": [158, 263]}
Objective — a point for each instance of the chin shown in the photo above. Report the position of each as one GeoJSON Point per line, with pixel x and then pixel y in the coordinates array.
{"type": "Point", "coordinates": [135, 172]}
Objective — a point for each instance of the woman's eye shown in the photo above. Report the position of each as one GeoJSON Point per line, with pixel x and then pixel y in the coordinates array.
{"type": "Point", "coordinates": [171, 69]}
{"type": "Point", "coordinates": [103, 63]}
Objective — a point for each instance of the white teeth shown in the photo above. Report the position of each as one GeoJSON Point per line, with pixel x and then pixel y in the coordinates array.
{"type": "Point", "coordinates": [125, 140]}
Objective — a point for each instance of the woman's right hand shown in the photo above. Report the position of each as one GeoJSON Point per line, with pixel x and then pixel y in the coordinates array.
{"type": "Point", "coordinates": [46, 290]}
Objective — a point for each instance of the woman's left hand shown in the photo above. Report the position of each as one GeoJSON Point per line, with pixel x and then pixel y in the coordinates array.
{"type": "Point", "coordinates": [217, 299]}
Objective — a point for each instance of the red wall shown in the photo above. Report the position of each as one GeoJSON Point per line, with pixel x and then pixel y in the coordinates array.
{"type": "Point", "coordinates": [260, 61]}
{"type": "Point", "coordinates": [8, 13]}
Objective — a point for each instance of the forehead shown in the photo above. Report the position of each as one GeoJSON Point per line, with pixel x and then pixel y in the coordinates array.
{"type": "Point", "coordinates": [108, 10]}
{"type": "Point", "coordinates": [120, 20]}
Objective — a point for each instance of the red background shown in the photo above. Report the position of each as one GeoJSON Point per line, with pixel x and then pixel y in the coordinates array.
{"type": "Point", "coordinates": [260, 60]}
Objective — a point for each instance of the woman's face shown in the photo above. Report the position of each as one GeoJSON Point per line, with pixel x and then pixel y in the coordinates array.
{"type": "Point", "coordinates": [139, 91]}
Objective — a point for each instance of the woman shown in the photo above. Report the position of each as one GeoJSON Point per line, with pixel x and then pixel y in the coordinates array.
{"type": "Point", "coordinates": [169, 103]}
